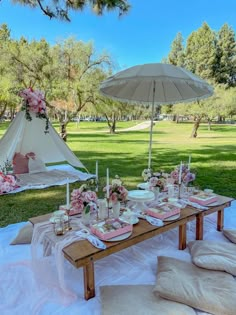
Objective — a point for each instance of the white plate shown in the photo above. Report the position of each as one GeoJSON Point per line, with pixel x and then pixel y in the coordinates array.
{"type": "Point", "coordinates": [131, 221]}
{"type": "Point", "coordinates": [119, 237]}
{"type": "Point", "coordinates": [143, 186]}
{"type": "Point", "coordinates": [141, 195]}
{"type": "Point", "coordinates": [52, 219]}
{"type": "Point", "coordinates": [173, 217]}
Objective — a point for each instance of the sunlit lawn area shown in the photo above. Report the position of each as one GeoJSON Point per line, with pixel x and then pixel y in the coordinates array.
{"type": "Point", "coordinates": [126, 153]}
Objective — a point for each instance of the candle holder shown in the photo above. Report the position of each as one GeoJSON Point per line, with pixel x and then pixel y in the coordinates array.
{"type": "Point", "coordinates": [108, 208]}
{"type": "Point", "coordinates": [179, 186]}
{"type": "Point", "coordinates": [68, 226]}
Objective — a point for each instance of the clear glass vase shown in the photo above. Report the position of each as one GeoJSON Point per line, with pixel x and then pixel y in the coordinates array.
{"type": "Point", "coordinates": [116, 209]}
{"type": "Point", "coordinates": [86, 215]}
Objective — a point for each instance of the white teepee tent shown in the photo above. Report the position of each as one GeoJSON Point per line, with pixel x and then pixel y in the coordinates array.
{"type": "Point", "coordinates": [28, 136]}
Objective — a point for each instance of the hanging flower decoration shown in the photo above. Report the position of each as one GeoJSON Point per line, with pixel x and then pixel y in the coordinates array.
{"type": "Point", "coordinates": [83, 199]}
{"type": "Point", "coordinates": [34, 101]}
{"type": "Point", "coordinates": [7, 183]}
{"type": "Point", "coordinates": [117, 192]}
{"type": "Point", "coordinates": [186, 175]}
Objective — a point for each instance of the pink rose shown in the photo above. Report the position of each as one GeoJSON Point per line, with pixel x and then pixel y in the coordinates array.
{"type": "Point", "coordinates": [153, 181]}
{"type": "Point", "coordinates": [114, 197]}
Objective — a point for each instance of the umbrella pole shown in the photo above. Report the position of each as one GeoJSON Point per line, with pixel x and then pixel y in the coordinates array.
{"type": "Point", "coordinates": [151, 127]}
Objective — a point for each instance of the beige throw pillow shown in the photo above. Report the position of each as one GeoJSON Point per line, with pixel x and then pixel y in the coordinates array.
{"type": "Point", "coordinates": [230, 234]}
{"type": "Point", "coordinates": [36, 166]}
{"type": "Point", "coordinates": [207, 290]}
{"type": "Point", "coordinates": [24, 235]}
{"type": "Point", "coordinates": [138, 300]}
{"type": "Point", "coordinates": [214, 255]}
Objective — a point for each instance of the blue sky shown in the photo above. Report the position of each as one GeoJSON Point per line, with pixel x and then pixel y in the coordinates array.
{"type": "Point", "coordinates": [143, 35]}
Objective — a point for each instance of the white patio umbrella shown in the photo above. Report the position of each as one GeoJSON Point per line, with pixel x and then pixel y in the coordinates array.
{"type": "Point", "coordinates": [155, 84]}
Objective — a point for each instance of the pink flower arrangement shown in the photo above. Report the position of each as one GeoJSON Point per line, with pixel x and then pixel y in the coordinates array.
{"type": "Point", "coordinates": [83, 199]}
{"type": "Point", "coordinates": [34, 101]}
{"type": "Point", "coordinates": [158, 179]}
{"type": "Point", "coordinates": [117, 192]}
{"type": "Point", "coordinates": [7, 183]}
{"type": "Point", "coordinates": [155, 179]}
{"type": "Point", "coordinates": [186, 175]}
{"type": "Point", "coordinates": [157, 182]}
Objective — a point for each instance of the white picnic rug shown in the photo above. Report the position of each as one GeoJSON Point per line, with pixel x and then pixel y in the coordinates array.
{"type": "Point", "coordinates": [56, 175]}
{"type": "Point", "coordinates": [135, 265]}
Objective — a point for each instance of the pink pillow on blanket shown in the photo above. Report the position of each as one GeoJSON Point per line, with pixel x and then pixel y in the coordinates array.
{"type": "Point", "coordinates": [20, 162]}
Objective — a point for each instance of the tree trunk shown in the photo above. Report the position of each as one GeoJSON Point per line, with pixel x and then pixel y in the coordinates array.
{"type": "Point", "coordinates": [63, 132]}
{"type": "Point", "coordinates": [195, 128]}
{"type": "Point", "coordinates": [111, 123]}
{"type": "Point", "coordinates": [209, 124]}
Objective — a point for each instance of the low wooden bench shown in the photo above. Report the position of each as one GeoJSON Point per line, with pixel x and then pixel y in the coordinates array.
{"type": "Point", "coordinates": [83, 254]}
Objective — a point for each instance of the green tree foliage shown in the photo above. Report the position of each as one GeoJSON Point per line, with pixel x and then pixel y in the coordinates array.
{"type": "Point", "coordinates": [30, 62]}
{"type": "Point", "coordinates": [226, 53]}
{"type": "Point", "coordinates": [212, 56]}
{"type": "Point", "coordinates": [111, 110]}
{"type": "Point", "coordinates": [201, 52]}
{"type": "Point", "coordinates": [61, 9]}
{"type": "Point", "coordinates": [69, 73]}
{"type": "Point", "coordinates": [7, 99]}
{"type": "Point", "coordinates": [177, 55]}
{"type": "Point", "coordinates": [79, 71]}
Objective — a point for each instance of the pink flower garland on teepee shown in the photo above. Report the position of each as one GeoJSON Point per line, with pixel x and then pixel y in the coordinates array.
{"type": "Point", "coordinates": [34, 101]}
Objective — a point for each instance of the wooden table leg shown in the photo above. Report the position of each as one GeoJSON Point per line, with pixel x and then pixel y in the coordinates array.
{"type": "Point", "coordinates": [199, 226]}
{"type": "Point", "coordinates": [220, 220]}
{"type": "Point", "coordinates": [89, 286]}
{"type": "Point", "coordinates": [182, 236]}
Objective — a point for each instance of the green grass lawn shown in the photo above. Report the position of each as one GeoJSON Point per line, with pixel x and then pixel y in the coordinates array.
{"type": "Point", "coordinates": [126, 153]}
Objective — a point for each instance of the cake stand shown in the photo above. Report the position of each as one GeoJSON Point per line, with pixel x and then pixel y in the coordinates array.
{"type": "Point", "coordinates": [139, 197]}
{"type": "Point", "coordinates": [144, 186]}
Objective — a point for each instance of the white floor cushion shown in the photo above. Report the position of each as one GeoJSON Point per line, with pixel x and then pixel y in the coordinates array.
{"type": "Point", "coordinates": [214, 255]}
{"type": "Point", "coordinates": [230, 234]}
{"type": "Point", "coordinates": [207, 290]}
{"type": "Point", "coordinates": [24, 236]}
{"type": "Point", "coordinates": [138, 300]}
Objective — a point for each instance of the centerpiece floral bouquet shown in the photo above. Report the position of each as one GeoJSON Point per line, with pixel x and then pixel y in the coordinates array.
{"type": "Point", "coordinates": [83, 199]}
{"type": "Point", "coordinates": [7, 183]}
{"type": "Point", "coordinates": [34, 101]}
{"type": "Point", "coordinates": [186, 175]}
{"type": "Point", "coordinates": [155, 179]}
{"type": "Point", "coordinates": [117, 192]}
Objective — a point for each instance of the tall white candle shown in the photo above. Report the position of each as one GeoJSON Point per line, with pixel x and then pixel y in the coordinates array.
{"type": "Point", "coordinates": [96, 174]}
{"type": "Point", "coordinates": [67, 194]}
{"type": "Point", "coordinates": [97, 171]}
{"type": "Point", "coordinates": [180, 173]}
{"type": "Point", "coordinates": [108, 183]}
{"type": "Point", "coordinates": [189, 162]}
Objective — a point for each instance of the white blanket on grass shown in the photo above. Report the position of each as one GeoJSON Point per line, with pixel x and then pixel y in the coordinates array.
{"type": "Point", "coordinates": [135, 265]}
{"type": "Point", "coordinates": [56, 175]}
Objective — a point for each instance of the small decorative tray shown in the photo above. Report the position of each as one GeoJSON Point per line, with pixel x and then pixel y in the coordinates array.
{"type": "Point", "coordinates": [203, 198]}
{"type": "Point", "coordinates": [110, 228]}
{"type": "Point", "coordinates": [163, 210]}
